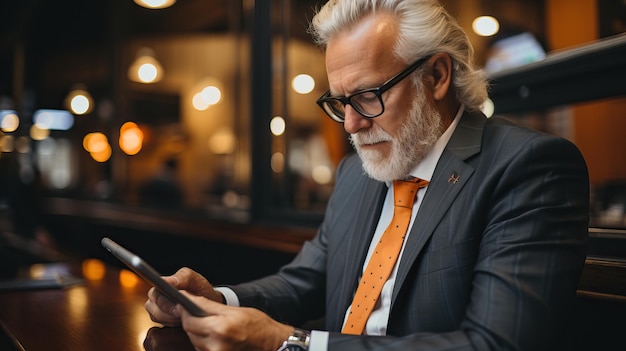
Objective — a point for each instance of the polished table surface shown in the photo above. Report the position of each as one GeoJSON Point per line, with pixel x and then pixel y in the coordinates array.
{"type": "Point", "coordinates": [102, 310]}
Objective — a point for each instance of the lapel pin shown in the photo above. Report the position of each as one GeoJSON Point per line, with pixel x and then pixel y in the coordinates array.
{"type": "Point", "coordinates": [454, 178]}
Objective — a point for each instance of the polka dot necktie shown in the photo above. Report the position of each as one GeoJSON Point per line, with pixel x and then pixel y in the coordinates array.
{"type": "Point", "coordinates": [384, 257]}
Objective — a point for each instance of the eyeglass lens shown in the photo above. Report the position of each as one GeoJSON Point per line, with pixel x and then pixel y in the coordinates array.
{"type": "Point", "coordinates": [366, 103]}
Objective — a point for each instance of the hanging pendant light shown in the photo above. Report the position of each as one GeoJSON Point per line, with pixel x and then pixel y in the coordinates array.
{"type": "Point", "coordinates": [155, 4]}
{"type": "Point", "coordinates": [146, 68]}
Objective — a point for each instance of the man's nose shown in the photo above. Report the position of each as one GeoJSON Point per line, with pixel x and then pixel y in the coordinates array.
{"type": "Point", "coordinates": [354, 121]}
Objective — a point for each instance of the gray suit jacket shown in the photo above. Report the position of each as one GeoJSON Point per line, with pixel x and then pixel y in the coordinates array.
{"type": "Point", "coordinates": [492, 261]}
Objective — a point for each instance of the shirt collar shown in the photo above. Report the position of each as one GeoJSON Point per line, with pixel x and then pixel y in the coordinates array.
{"type": "Point", "coordinates": [426, 168]}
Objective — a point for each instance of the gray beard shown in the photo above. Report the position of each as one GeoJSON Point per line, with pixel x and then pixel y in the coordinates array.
{"type": "Point", "coordinates": [416, 137]}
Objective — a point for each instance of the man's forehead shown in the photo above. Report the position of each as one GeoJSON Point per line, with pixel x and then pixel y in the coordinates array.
{"type": "Point", "coordinates": [374, 35]}
{"type": "Point", "coordinates": [362, 57]}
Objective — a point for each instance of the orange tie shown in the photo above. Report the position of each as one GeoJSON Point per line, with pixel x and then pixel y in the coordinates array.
{"type": "Point", "coordinates": [384, 257]}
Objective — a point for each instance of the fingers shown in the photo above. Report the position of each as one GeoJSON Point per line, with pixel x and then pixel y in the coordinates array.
{"type": "Point", "coordinates": [181, 280]}
{"type": "Point", "coordinates": [201, 330]}
{"type": "Point", "coordinates": [159, 316]}
{"type": "Point", "coordinates": [162, 302]}
{"type": "Point", "coordinates": [212, 332]}
{"type": "Point", "coordinates": [161, 310]}
{"type": "Point", "coordinates": [193, 282]}
{"type": "Point", "coordinates": [232, 328]}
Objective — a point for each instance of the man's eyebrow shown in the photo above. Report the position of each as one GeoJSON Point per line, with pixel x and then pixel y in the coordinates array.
{"type": "Point", "coordinates": [359, 88]}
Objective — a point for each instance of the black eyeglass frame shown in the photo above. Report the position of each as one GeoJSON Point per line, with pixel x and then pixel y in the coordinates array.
{"type": "Point", "coordinates": [325, 99]}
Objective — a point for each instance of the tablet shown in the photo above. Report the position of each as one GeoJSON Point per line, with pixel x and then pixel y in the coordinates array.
{"type": "Point", "coordinates": [144, 270]}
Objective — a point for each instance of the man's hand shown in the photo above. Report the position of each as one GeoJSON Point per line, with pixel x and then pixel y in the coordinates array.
{"type": "Point", "coordinates": [161, 310]}
{"type": "Point", "coordinates": [232, 328]}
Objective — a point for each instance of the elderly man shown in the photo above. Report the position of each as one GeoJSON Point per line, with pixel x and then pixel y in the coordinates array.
{"type": "Point", "coordinates": [485, 251]}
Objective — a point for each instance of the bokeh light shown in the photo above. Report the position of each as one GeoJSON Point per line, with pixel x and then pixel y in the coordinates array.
{"type": "Point", "coordinates": [208, 96]}
{"type": "Point", "coordinates": [97, 144]}
{"type": "Point", "coordinates": [7, 143]}
{"type": "Point", "coordinates": [303, 84]}
{"type": "Point", "coordinates": [485, 26]}
{"type": "Point", "coordinates": [145, 69]}
{"type": "Point", "coordinates": [102, 155]}
{"type": "Point", "coordinates": [9, 121]}
{"type": "Point", "coordinates": [278, 162]}
{"type": "Point", "coordinates": [277, 125]}
{"type": "Point", "coordinates": [128, 279]}
{"type": "Point", "coordinates": [79, 102]}
{"type": "Point", "coordinates": [38, 132]}
{"type": "Point", "coordinates": [223, 142]}
{"type": "Point", "coordinates": [131, 138]}
{"type": "Point", "coordinates": [322, 174]}
{"type": "Point", "coordinates": [155, 4]}
{"type": "Point", "coordinates": [54, 119]}
{"type": "Point", "coordinates": [93, 269]}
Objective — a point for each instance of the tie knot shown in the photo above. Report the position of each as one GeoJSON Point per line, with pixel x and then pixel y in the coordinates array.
{"type": "Point", "coordinates": [405, 191]}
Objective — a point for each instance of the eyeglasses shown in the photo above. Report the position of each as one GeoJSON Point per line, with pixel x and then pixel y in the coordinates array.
{"type": "Point", "coordinates": [369, 102]}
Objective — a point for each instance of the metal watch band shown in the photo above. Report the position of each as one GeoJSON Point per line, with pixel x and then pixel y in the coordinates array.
{"type": "Point", "coordinates": [299, 340]}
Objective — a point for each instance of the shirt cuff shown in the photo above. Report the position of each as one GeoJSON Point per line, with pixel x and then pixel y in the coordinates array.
{"type": "Point", "coordinates": [229, 295]}
{"type": "Point", "coordinates": [318, 341]}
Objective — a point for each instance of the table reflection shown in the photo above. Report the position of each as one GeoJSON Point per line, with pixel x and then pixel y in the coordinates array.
{"type": "Point", "coordinates": [167, 339]}
{"type": "Point", "coordinates": [102, 309]}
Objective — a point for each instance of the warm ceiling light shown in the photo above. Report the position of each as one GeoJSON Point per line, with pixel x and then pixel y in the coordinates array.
{"type": "Point", "coordinates": [277, 125]}
{"type": "Point", "coordinates": [485, 26]}
{"type": "Point", "coordinates": [155, 4]}
{"type": "Point", "coordinates": [208, 96]}
{"type": "Point", "coordinates": [145, 69]}
{"type": "Point", "coordinates": [303, 84]}
{"type": "Point", "coordinates": [79, 101]}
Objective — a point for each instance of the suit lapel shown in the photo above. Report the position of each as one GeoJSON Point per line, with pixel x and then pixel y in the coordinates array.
{"type": "Point", "coordinates": [450, 176]}
{"type": "Point", "coordinates": [371, 202]}
{"type": "Point", "coordinates": [360, 237]}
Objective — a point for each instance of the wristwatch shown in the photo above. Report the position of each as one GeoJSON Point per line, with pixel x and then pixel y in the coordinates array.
{"type": "Point", "coordinates": [298, 341]}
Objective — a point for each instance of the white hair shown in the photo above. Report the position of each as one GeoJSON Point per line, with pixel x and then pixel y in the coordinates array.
{"type": "Point", "coordinates": [425, 28]}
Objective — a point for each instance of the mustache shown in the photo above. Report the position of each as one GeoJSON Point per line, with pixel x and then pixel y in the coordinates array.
{"type": "Point", "coordinates": [371, 136]}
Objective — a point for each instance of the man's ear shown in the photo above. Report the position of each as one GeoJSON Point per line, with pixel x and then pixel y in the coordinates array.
{"type": "Point", "coordinates": [441, 74]}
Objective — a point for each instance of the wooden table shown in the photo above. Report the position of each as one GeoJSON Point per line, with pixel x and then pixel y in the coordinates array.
{"type": "Point", "coordinates": [104, 310]}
